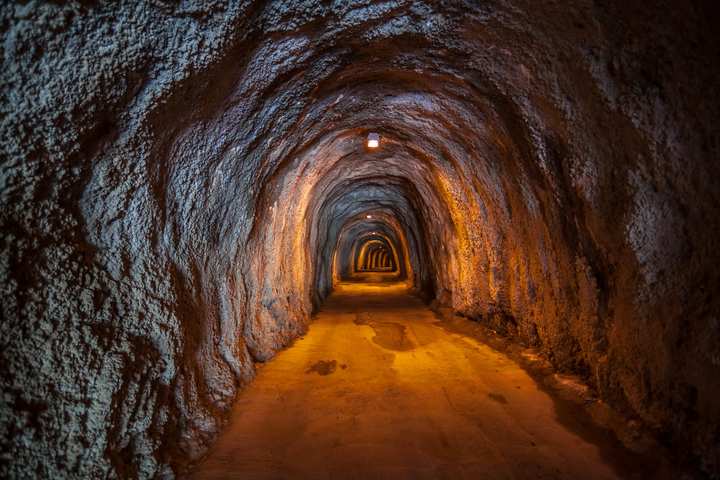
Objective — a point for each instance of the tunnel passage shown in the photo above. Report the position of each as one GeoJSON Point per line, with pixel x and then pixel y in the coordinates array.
{"type": "Point", "coordinates": [369, 248]}
{"type": "Point", "coordinates": [374, 256]}
{"type": "Point", "coordinates": [184, 183]}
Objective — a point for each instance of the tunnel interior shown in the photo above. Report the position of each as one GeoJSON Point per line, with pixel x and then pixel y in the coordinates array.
{"type": "Point", "coordinates": [185, 185]}
{"type": "Point", "coordinates": [371, 247]}
{"type": "Point", "coordinates": [375, 255]}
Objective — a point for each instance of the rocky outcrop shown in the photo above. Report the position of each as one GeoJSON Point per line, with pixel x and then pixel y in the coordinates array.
{"type": "Point", "coordinates": [177, 177]}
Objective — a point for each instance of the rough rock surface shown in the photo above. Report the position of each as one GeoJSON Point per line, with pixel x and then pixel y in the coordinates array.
{"type": "Point", "coordinates": [176, 178]}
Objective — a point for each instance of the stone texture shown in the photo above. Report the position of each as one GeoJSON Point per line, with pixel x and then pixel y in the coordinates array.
{"type": "Point", "coordinates": [176, 177]}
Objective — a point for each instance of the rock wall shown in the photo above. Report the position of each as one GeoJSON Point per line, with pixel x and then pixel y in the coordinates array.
{"type": "Point", "coordinates": [177, 176]}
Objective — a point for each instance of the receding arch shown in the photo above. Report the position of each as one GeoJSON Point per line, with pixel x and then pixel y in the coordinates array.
{"type": "Point", "coordinates": [376, 253]}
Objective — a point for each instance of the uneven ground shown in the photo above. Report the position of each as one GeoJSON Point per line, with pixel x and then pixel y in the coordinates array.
{"type": "Point", "coordinates": [377, 388]}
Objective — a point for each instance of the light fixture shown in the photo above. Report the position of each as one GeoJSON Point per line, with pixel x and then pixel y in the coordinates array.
{"type": "Point", "coordinates": [373, 140]}
{"type": "Point", "coordinates": [368, 216]}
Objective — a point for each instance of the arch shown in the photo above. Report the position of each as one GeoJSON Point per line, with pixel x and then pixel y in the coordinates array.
{"type": "Point", "coordinates": [375, 254]}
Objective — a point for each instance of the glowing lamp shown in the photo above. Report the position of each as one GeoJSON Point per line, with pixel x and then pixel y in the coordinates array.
{"type": "Point", "coordinates": [373, 140]}
{"type": "Point", "coordinates": [368, 216]}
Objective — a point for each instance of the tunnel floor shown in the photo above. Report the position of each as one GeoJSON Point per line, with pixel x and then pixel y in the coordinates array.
{"type": "Point", "coordinates": [377, 388]}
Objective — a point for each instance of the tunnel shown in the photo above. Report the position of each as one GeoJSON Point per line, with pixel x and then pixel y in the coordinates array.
{"type": "Point", "coordinates": [360, 239]}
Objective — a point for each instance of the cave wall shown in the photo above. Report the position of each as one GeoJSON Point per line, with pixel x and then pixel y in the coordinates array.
{"type": "Point", "coordinates": [176, 178]}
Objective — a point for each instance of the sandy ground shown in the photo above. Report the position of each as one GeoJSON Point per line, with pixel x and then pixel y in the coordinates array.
{"type": "Point", "coordinates": [377, 388]}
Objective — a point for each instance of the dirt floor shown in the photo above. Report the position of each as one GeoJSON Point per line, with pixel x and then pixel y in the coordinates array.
{"type": "Point", "coordinates": [378, 388]}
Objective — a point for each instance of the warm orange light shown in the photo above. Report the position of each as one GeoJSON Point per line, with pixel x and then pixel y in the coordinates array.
{"type": "Point", "coordinates": [373, 140]}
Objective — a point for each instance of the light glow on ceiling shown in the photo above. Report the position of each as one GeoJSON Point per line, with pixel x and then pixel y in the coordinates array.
{"type": "Point", "coordinates": [373, 140]}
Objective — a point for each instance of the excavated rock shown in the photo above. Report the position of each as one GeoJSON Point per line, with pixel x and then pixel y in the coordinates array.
{"type": "Point", "coordinates": [177, 176]}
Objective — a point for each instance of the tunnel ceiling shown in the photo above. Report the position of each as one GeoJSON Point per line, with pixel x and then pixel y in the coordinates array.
{"type": "Point", "coordinates": [180, 179]}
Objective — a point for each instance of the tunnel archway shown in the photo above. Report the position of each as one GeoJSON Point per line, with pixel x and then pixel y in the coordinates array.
{"type": "Point", "coordinates": [383, 228]}
{"type": "Point", "coordinates": [376, 255]}
{"type": "Point", "coordinates": [188, 193]}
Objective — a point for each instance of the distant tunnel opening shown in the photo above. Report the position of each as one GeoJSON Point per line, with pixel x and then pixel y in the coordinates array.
{"type": "Point", "coordinates": [376, 253]}
{"type": "Point", "coordinates": [374, 256]}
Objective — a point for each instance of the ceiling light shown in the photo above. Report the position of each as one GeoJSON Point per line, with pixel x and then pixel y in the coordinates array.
{"type": "Point", "coordinates": [373, 140]}
{"type": "Point", "coordinates": [368, 216]}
